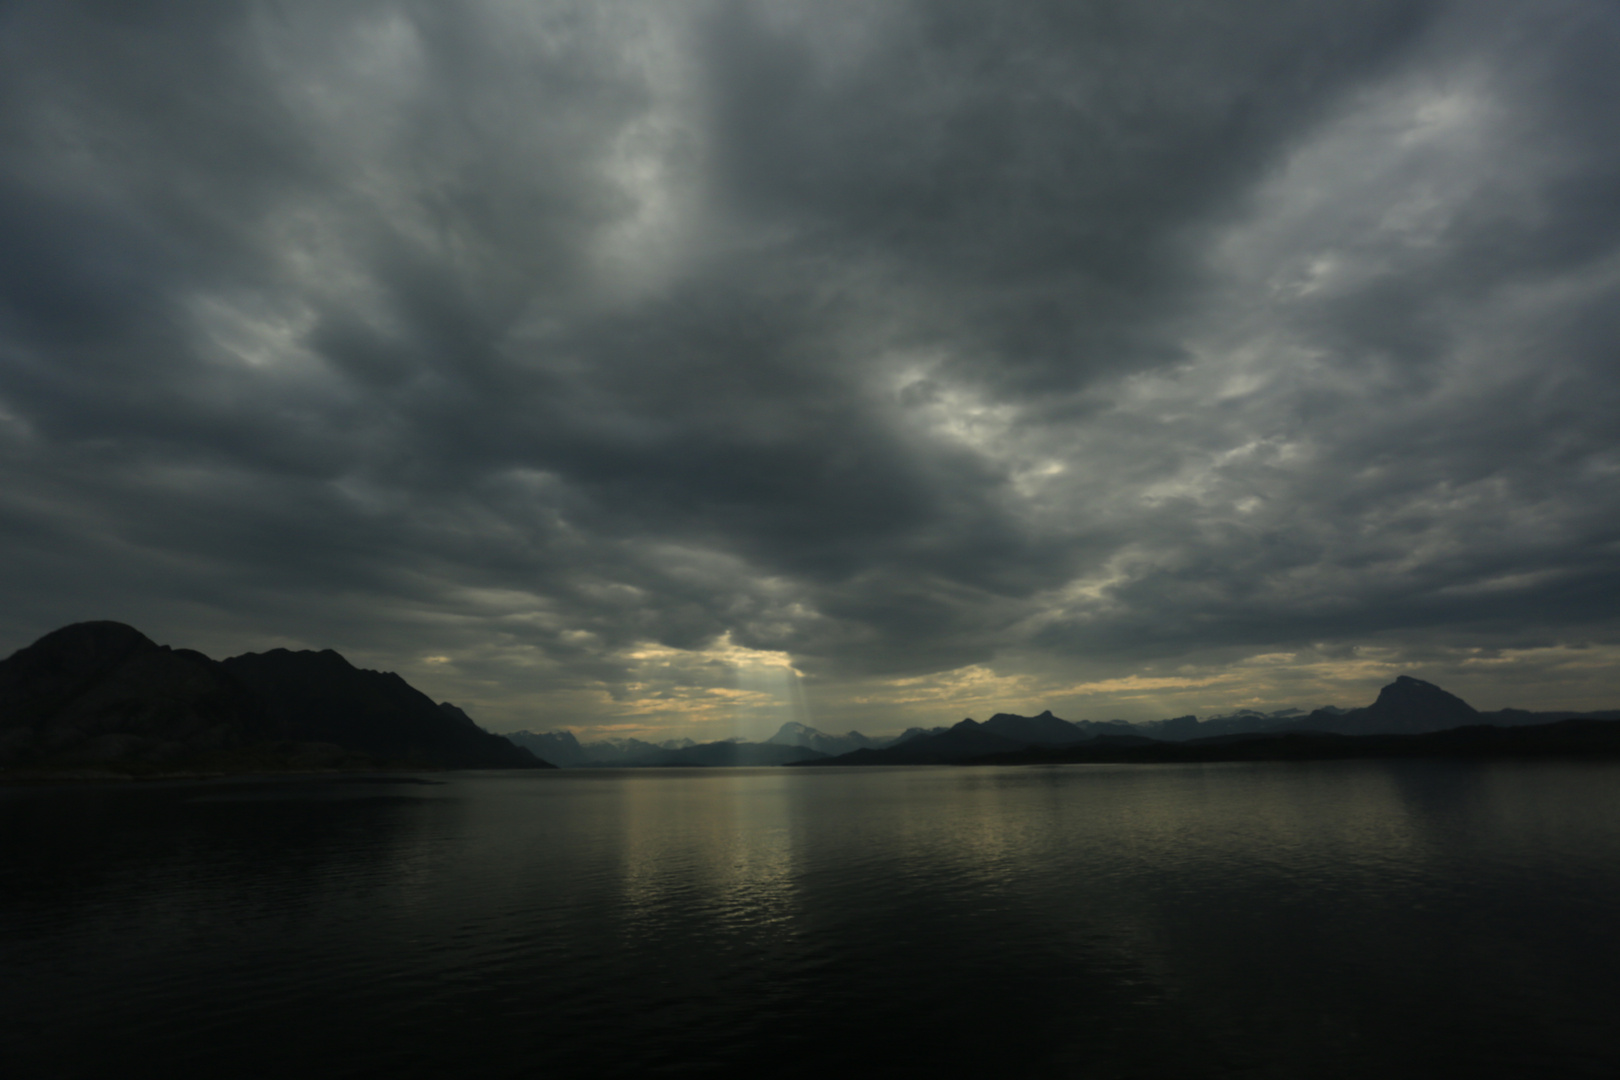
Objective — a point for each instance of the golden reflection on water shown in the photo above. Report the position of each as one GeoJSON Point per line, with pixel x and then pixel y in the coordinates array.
{"type": "Point", "coordinates": [747, 843]}
{"type": "Point", "coordinates": [730, 835]}
{"type": "Point", "coordinates": [722, 837]}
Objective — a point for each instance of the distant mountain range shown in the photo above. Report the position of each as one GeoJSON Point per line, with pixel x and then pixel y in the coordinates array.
{"type": "Point", "coordinates": [793, 743]}
{"type": "Point", "coordinates": [1406, 706]}
{"type": "Point", "coordinates": [564, 749]}
{"type": "Point", "coordinates": [1407, 709]}
{"type": "Point", "coordinates": [102, 697]}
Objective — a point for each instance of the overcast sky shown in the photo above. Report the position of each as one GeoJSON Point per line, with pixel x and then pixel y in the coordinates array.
{"type": "Point", "coordinates": [683, 368]}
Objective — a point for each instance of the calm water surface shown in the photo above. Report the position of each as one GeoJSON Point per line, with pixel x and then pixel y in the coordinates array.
{"type": "Point", "coordinates": [1275, 920]}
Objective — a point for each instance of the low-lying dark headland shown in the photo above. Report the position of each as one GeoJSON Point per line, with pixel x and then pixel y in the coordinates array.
{"type": "Point", "coordinates": [101, 701]}
{"type": "Point", "coordinates": [1561, 739]}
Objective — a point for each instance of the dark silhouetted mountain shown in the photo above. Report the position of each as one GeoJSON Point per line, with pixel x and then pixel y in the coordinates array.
{"type": "Point", "coordinates": [321, 697]}
{"type": "Point", "coordinates": [458, 716]}
{"type": "Point", "coordinates": [965, 740]}
{"type": "Point", "coordinates": [100, 692]}
{"type": "Point", "coordinates": [1406, 706]}
{"type": "Point", "coordinates": [103, 695]}
{"type": "Point", "coordinates": [1045, 728]}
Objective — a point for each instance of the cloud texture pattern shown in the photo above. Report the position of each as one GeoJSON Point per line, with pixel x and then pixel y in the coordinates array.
{"type": "Point", "coordinates": [678, 365]}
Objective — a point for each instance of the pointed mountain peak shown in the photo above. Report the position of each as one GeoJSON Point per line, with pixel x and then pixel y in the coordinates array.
{"type": "Point", "coordinates": [1407, 689]}
{"type": "Point", "coordinates": [1409, 704]}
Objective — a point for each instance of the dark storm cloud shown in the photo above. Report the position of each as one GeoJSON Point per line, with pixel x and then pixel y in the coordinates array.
{"type": "Point", "coordinates": [895, 337]}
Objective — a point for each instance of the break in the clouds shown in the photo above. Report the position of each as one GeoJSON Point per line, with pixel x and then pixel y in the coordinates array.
{"type": "Point", "coordinates": [694, 366]}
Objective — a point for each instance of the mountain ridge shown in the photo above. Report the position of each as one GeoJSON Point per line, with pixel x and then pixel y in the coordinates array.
{"type": "Point", "coordinates": [1405, 708]}
{"type": "Point", "coordinates": [565, 750]}
{"type": "Point", "coordinates": [103, 695]}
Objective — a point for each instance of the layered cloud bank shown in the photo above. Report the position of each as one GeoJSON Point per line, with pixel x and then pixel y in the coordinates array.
{"type": "Point", "coordinates": [657, 367]}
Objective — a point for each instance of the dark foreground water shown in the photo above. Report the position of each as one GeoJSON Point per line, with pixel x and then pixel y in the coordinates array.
{"type": "Point", "coordinates": [1278, 920]}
